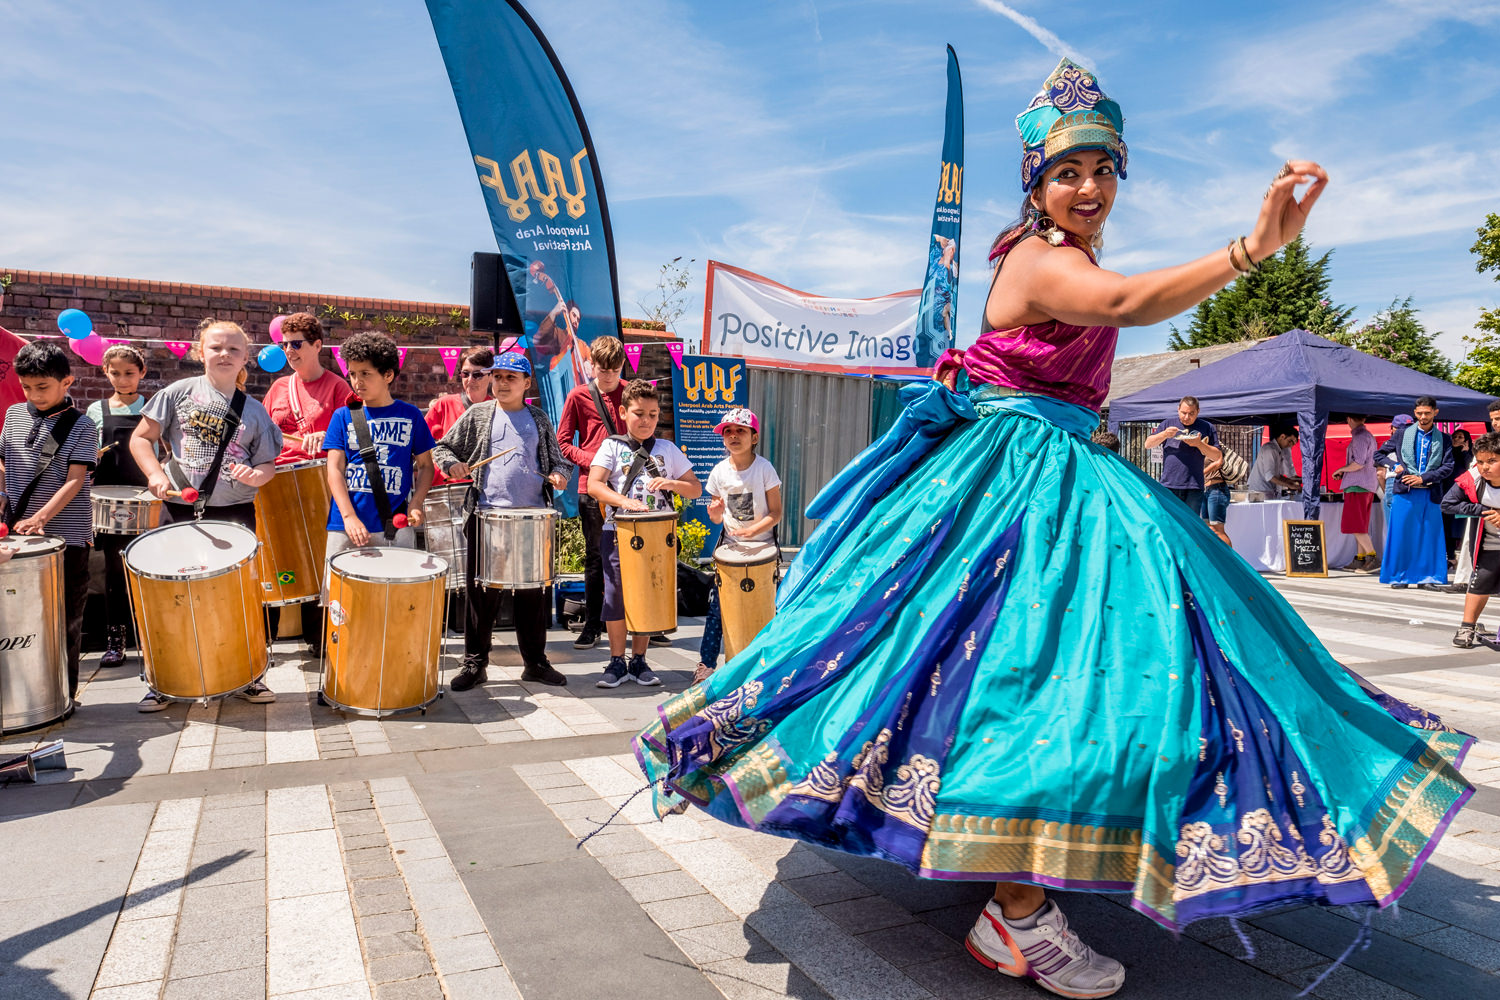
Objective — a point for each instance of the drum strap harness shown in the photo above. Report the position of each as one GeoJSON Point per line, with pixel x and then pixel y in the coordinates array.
{"type": "Point", "coordinates": [50, 448]}
{"type": "Point", "coordinates": [609, 421]}
{"type": "Point", "coordinates": [642, 451]}
{"type": "Point", "coordinates": [371, 457]}
{"type": "Point", "coordinates": [211, 478]}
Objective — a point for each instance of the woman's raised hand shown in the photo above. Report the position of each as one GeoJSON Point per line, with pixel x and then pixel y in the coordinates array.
{"type": "Point", "coordinates": [1282, 216]}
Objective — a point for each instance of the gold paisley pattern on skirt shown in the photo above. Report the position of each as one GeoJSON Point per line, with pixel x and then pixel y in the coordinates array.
{"type": "Point", "coordinates": [1208, 862]}
{"type": "Point", "coordinates": [910, 797]}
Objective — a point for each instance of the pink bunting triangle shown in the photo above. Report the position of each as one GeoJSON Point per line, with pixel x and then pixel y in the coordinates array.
{"type": "Point", "coordinates": [676, 351]}
{"type": "Point", "coordinates": [179, 348]}
{"type": "Point", "coordinates": [338, 355]}
{"type": "Point", "coordinates": [400, 358]}
{"type": "Point", "coordinates": [633, 352]}
{"type": "Point", "coordinates": [450, 358]}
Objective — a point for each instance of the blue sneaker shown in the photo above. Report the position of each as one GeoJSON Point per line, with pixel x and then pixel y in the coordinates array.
{"type": "Point", "coordinates": [642, 673]}
{"type": "Point", "coordinates": [614, 674]}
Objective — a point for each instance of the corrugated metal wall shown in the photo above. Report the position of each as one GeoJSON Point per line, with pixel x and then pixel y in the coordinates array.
{"type": "Point", "coordinates": [812, 425]}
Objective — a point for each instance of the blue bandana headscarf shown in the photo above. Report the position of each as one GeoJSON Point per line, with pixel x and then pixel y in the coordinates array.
{"type": "Point", "coordinates": [1070, 113]}
{"type": "Point", "coordinates": [512, 361]}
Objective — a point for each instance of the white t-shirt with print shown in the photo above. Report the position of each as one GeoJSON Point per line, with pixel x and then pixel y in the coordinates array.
{"type": "Point", "coordinates": [616, 457]}
{"type": "Point", "coordinates": [744, 493]}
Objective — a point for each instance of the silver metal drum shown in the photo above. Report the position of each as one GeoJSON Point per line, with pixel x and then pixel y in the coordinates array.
{"type": "Point", "coordinates": [33, 633]}
{"type": "Point", "coordinates": [124, 510]}
{"type": "Point", "coordinates": [443, 529]}
{"type": "Point", "coordinates": [517, 547]}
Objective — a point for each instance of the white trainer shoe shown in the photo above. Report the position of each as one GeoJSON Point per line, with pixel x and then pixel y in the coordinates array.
{"type": "Point", "coordinates": [1049, 952]}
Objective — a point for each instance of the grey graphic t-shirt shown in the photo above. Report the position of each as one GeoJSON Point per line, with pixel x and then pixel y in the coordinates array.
{"type": "Point", "coordinates": [192, 414]}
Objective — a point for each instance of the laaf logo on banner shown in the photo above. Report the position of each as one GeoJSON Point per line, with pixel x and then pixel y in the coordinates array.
{"type": "Point", "coordinates": [523, 171]}
{"type": "Point", "coordinates": [749, 316]}
{"type": "Point", "coordinates": [709, 383]}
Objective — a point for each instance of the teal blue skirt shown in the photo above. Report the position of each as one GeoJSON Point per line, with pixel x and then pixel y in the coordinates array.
{"type": "Point", "coordinates": [1007, 654]}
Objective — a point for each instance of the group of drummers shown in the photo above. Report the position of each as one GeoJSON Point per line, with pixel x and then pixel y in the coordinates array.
{"type": "Point", "coordinates": [336, 503]}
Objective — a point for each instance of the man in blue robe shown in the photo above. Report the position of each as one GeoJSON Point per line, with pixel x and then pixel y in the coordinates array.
{"type": "Point", "coordinates": [1419, 457]}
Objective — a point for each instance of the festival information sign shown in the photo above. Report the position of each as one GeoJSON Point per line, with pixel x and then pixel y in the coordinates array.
{"type": "Point", "coordinates": [703, 388]}
{"type": "Point", "coordinates": [746, 315]}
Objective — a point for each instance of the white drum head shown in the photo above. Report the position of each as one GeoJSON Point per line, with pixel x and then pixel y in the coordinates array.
{"type": "Point", "coordinates": [21, 546]}
{"type": "Point", "coordinates": [389, 565]}
{"type": "Point", "coordinates": [190, 549]}
{"type": "Point", "coordinates": [121, 493]}
{"type": "Point", "coordinates": [738, 553]}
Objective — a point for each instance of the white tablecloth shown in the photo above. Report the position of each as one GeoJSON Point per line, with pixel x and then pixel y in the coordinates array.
{"type": "Point", "coordinates": [1255, 530]}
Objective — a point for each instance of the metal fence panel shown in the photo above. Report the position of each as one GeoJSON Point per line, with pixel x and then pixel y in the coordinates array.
{"type": "Point", "coordinates": [1243, 439]}
{"type": "Point", "coordinates": [811, 426]}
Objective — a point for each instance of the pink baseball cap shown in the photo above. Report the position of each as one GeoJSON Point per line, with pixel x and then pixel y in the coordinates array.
{"type": "Point", "coordinates": [738, 417]}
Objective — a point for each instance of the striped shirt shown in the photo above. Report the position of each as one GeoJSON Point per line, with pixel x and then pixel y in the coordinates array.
{"type": "Point", "coordinates": [20, 449]}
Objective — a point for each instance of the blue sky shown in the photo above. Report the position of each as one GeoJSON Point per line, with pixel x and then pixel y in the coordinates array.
{"type": "Point", "coordinates": [317, 147]}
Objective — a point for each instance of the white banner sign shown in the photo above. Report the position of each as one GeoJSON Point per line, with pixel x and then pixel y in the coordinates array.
{"type": "Point", "coordinates": [748, 316]}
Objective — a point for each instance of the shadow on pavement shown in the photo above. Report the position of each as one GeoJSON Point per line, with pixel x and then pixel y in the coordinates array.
{"type": "Point", "coordinates": [20, 983]}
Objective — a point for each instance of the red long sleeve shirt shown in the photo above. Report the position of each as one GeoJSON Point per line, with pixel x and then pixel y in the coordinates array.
{"type": "Point", "coordinates": [580, 418]}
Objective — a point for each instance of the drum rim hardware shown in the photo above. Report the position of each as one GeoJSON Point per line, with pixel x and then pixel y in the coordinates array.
{"type": "Point", "coordinates": [364, 553]}
{"type": "Point", "coordinates": [184, 575]}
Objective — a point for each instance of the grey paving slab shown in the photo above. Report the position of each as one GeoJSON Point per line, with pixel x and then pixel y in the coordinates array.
{"type": "Point", "coordinates": [910, 944]}
{"type": "Point", "coordinates": [54, 924]}
{"type": "Point", "coordinates": [241, 984]}
{"type": "Point", "coordinates": [1403, 965]}
{"type": "Point", "coordinates": [538, 912]}
{"type": "Point", "coordinates": [749, 979]}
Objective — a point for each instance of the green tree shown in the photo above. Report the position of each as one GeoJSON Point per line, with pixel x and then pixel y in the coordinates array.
{"type": "Point", "coordinates": [667, 304]}
{"type": "Point", "coordinates": [1288, 292]}
{"type": "Point", "coordinates": [1396, 334]}
{"type": "Point", "coordinates": [1480, 368]}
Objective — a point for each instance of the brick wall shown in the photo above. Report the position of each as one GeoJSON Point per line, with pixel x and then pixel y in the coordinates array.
{"type": "Point", "coordinates": [136, 310]}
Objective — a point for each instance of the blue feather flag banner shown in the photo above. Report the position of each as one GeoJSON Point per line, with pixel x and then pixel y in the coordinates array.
{"type": "Point", "coordinates": [540, 181]}
{"type": "Point", "coordinates": [939, 305]}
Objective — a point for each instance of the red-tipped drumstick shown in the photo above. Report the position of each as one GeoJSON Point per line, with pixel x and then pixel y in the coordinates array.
{"type": "Point", "coordinates": [400, 521]}
{"type": "Point", "coordinates": [4, 529]}
{"type": "Point", "coordinates": [188, 494]}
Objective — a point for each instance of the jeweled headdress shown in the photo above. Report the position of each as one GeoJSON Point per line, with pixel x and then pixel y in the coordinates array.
{"type": "Point", "coordinates": [1070, 113]}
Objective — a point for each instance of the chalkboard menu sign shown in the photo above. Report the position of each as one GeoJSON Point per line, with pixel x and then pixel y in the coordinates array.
{"type": "Point", "coordinates": [1303, 545]}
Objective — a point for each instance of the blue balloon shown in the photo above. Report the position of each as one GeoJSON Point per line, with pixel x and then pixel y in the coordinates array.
{"type": "Point", "coordinates": [75, 323]}
{"type": "Point", "coordinates": [271, 358]}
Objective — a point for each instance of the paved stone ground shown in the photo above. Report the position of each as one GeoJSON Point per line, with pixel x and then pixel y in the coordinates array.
{"type": "Point", "coordinates": [288, 851]}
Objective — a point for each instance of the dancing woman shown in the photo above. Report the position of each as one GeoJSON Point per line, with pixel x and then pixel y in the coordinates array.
{"type": "Point", "coordinates": [1007, 655]}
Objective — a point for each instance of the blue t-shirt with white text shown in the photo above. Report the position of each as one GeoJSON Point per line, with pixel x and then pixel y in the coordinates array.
{"type": "Point", "coordinates": [399, 433]}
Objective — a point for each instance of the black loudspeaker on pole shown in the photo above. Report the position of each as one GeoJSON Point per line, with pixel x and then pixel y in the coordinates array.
{"type": "Point", "coordinates": [492, 303]}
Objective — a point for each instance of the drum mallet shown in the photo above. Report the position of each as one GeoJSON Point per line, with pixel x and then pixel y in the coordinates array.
{"type": "Point", "coordinates": [188, 494]}
{"type": "Point", "coordinates": [4, 529]}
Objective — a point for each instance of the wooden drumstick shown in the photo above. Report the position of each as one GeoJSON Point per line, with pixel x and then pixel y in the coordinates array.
{"type": "Point", "coordinates": [107, 448]}
{"type": "Point", "coordinates": [486, 461]}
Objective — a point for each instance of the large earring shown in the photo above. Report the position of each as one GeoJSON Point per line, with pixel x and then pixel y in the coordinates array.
{"type": "Point", "coordinates": [1097, 241]}
{"type": "Point", "coordinates": [1043, 225]}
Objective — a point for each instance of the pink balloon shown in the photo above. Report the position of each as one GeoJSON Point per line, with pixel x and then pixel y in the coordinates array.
{"type": "Point", "coordinates": [276, 329]}
{"type": "Point", "coordinates": [90, 348]}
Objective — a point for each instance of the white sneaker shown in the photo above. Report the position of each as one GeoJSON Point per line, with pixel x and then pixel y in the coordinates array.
{"type": "Point", "coordinates": [257, 694]}
{"type": "Point", "coordinates": [1048, 952]}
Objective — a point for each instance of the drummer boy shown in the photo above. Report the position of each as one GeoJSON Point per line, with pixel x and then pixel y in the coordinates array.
{"type": "Point", "coordinates": [193, 416]}
{"type": "Point", "coordinates": [51, 496]}
{"type": "Point", "coordinates": [664, 471]}
{"type": "Point", "coordinates": [746, 500]}
{"type": "Point", "coordinates": [511, 450]}
{"type": "Point", "coordinates": [403, 446]}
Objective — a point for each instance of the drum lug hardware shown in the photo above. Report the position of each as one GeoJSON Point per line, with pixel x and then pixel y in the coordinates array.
{"type": "Point", "coordinates": [747, 585]}
{"type": "Point", "coordinates": [638, 543]}
{"type": "Point", "coordinates": [671, 540]}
